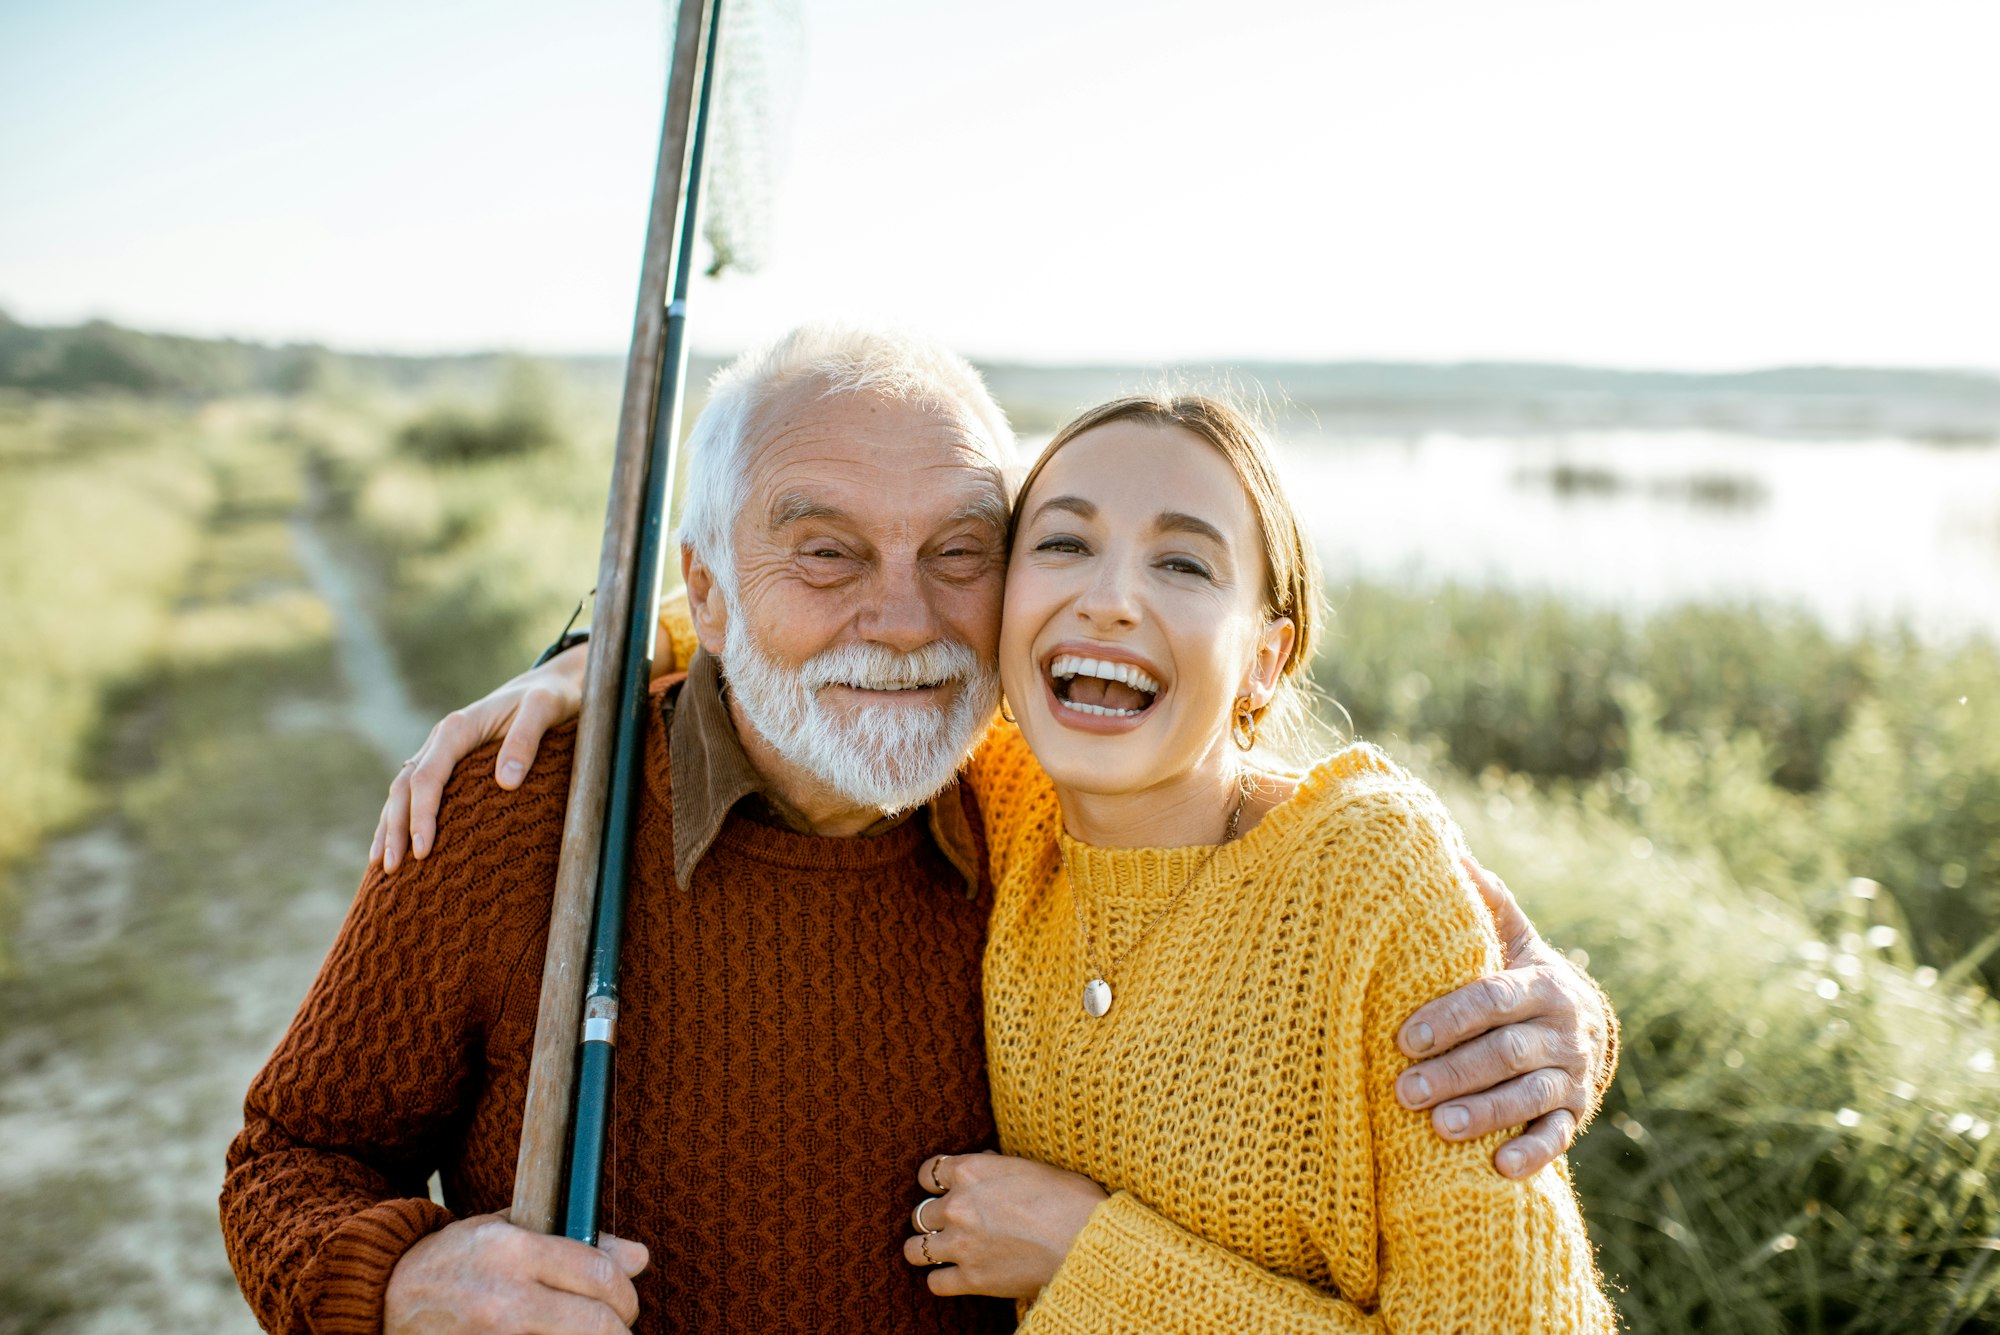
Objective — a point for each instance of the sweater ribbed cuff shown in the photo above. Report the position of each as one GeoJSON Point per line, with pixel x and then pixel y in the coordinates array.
{"type": "Point", "coordinates": [1133, 1269]}
{"type": "Point", "coordinates": [341, 1290]}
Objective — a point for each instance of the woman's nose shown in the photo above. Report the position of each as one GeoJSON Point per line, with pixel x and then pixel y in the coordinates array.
{"type": "Point", "coordinates": [1110, 598]}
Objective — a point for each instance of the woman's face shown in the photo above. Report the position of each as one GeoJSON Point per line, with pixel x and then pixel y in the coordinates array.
{"type": "Point", "coordinates": [1134, 610]}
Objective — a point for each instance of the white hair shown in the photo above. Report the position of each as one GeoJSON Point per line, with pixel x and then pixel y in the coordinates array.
{"type": "Point", "coordinates": [843, 359]}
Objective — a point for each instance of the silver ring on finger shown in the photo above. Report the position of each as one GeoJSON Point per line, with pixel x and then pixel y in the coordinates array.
{"type": "Point", "coordinates": [922, 1227]}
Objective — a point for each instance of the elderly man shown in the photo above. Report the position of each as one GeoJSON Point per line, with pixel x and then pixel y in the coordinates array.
{"type": "Point", "coordinates": [801, 983]}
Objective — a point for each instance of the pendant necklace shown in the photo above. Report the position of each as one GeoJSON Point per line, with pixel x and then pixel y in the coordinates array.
{"type": "Point", "coordinates": [1097, 992]}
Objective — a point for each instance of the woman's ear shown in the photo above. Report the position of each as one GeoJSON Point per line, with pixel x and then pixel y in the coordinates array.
{"type": "Point", "coordinates": [705, 601]}
{"type": "Point", "coordinates": [1274, 650]}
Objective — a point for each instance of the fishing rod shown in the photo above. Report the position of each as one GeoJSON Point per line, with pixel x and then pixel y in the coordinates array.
{"type": "Point", "coordinates": [566, 1117]}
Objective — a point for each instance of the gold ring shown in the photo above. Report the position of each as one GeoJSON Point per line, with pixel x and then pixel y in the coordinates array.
{"type": "Point", "coordinates": [922, 1227]}
{"type": "Point", "coordinates": [924, 1241]}
{"type": "Point", "coordinates": [936, 1164]}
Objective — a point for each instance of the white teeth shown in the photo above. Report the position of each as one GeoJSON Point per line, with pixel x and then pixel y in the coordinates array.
{"type": "Point", "coordinates": [1075, 665]}
{"type": "Point", "coordinates": [1100, 709]}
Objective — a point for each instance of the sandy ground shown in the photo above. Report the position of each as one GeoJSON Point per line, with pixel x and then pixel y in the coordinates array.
{"type": "Point", "coordinates": [138, 1015]}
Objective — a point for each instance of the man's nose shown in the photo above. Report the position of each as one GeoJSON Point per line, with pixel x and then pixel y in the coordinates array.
{"type": "Point", "coordinates": [901, 615]}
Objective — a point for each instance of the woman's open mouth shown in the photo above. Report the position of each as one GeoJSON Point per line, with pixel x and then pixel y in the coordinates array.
{"type": "Point", "coordinates": [1101, 687]}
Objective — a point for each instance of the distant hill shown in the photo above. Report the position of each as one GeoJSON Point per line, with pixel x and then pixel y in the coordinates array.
{"type": "Point", "coordinates": [101, 356]}
{"type": "Point", "coordinates": [1942, 405]}
{"type": "Point", "coordinates": [1947, 406]}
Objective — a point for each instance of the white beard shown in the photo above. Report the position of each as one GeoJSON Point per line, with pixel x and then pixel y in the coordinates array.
{"type": "Point", "coordinates": [887, 757]}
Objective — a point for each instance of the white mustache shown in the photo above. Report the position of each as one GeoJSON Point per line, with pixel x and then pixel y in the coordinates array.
{"type": "Point", "coordinates": [873, 667]}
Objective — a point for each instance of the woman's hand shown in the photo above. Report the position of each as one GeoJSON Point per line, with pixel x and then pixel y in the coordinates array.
{"type": "Point", "coordinates": [996, 1224]}
{"type": "Point", "coordinates": [521, 711]}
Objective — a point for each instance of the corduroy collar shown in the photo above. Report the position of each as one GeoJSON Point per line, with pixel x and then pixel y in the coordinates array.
{"type": "Point", "coordinates": [712, 775]}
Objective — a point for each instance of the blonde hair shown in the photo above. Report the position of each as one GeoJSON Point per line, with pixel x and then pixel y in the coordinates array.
{"type": "Point", "coordinates": [1292, 571]}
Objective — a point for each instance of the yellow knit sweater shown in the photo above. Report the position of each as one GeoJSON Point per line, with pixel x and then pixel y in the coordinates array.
{"type": "Point", "coordinates": [1238, 1100]}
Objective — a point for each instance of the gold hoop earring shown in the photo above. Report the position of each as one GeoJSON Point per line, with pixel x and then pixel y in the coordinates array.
{"type": "Point", "coordinates": [1003, 711]}
{"type": "Point", "coordinates": [1243, 725]}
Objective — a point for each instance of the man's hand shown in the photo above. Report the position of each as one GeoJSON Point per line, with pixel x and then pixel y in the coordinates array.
{"type": "Point", "coordinates": [520, 711]}
{"type": "Point", "coordinates": [483, 1276]}
{"type": "Point", "coordinates": [1000, 1226]}
{"type": "Point", "coordinates": [1527, 1045]}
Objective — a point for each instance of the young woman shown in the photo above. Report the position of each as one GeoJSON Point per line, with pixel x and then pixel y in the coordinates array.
{"type": "Point", "coordinates": [1197, 962]}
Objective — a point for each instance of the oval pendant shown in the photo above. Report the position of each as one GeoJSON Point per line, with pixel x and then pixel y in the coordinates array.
{"type": "Point", "coordinates": [1096, 998]}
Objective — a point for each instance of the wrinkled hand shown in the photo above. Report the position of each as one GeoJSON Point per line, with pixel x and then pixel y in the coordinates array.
{"type": "Point", "coordinates": [1526, 1045]}
{"type": "Point", "coordinates": [1001, 1226]}
{"type": "Point", "coordinates": [520, 711]}
{"type": "Point", "coordinates": [483, 1276]}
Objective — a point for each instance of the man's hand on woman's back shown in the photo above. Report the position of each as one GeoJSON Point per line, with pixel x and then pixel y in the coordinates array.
{"type": "Point", "coordinates": [520, 712]}
{"type": "Point", "coordinates": [1532, 1044]}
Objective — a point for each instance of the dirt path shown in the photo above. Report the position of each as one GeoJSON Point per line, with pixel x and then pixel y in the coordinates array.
{"type": "Point", "coordinates": [378, 703]}
{"type": "Point", "coordinates": [164, 948]}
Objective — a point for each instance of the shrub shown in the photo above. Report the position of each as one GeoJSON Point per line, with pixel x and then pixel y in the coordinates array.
{"type": "Point", "coordinates": [1801, 1136]}
{"type": "Point", "coordinates": [525, 421]}
{"type": "Point", "coordinates": [1798, 758]}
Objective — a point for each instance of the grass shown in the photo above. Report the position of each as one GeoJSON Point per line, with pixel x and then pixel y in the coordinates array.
{"type": "Point", "coordinates": [1801, 1135]}
{"type": "Point", "coordinates": [1799, 759]}
{"type": "Point", "coordinates": [99, 519]}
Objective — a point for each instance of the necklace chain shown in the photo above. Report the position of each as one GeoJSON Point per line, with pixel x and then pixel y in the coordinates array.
{"type": "Point", "coordinates": [1097, 990]}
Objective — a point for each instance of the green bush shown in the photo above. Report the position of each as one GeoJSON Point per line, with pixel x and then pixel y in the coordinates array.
{"type": "Point", "coordinates": [100, 356]}
{"type": "Point", "coordinates": [525, 421]}
{"type": "Point", "coordinates": [1799, 758]}
{"type": "Point", "coordinates": [1802, 1133]}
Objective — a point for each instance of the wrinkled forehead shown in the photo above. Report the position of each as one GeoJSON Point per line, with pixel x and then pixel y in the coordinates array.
{"type": "Point", "coordinates": [867, 453]}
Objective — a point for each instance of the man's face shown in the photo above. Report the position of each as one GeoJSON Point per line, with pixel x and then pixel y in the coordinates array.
{"type": "Point", "coordinates": [869, 562]}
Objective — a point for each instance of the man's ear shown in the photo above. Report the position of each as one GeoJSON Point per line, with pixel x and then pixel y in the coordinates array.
{"type": "Point", "coordinates": [1274, 650]}
{"type": "Point", "coordinates": [705, 602]}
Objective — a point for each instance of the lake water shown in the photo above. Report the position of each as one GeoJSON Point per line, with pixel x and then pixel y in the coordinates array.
{"type": "Point", "coordinates": [1859, 532]}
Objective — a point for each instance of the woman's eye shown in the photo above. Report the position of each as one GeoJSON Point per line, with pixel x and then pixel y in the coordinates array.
{"type": "Point", "coordinates": [1059, 544]}
{"type": "Point", "coordinates": [1183, 565]}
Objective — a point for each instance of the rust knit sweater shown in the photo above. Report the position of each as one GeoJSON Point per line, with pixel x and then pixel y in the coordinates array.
{"type": "Point", "coordinates": [799, 1029]}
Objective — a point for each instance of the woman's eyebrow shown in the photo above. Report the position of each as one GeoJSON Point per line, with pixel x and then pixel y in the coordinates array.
{"type": "Point", "coordinates": [1174, 521]}
{"type": "Point", "coordinates": [1074, 505]}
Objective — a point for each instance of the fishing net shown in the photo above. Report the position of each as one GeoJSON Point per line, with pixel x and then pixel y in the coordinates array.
{"type": "Point", "coordinates": [761, 59]}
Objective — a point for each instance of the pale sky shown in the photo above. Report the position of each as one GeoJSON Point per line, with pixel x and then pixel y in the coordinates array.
{"type": "Point", "coordinates": [1703, 183]}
